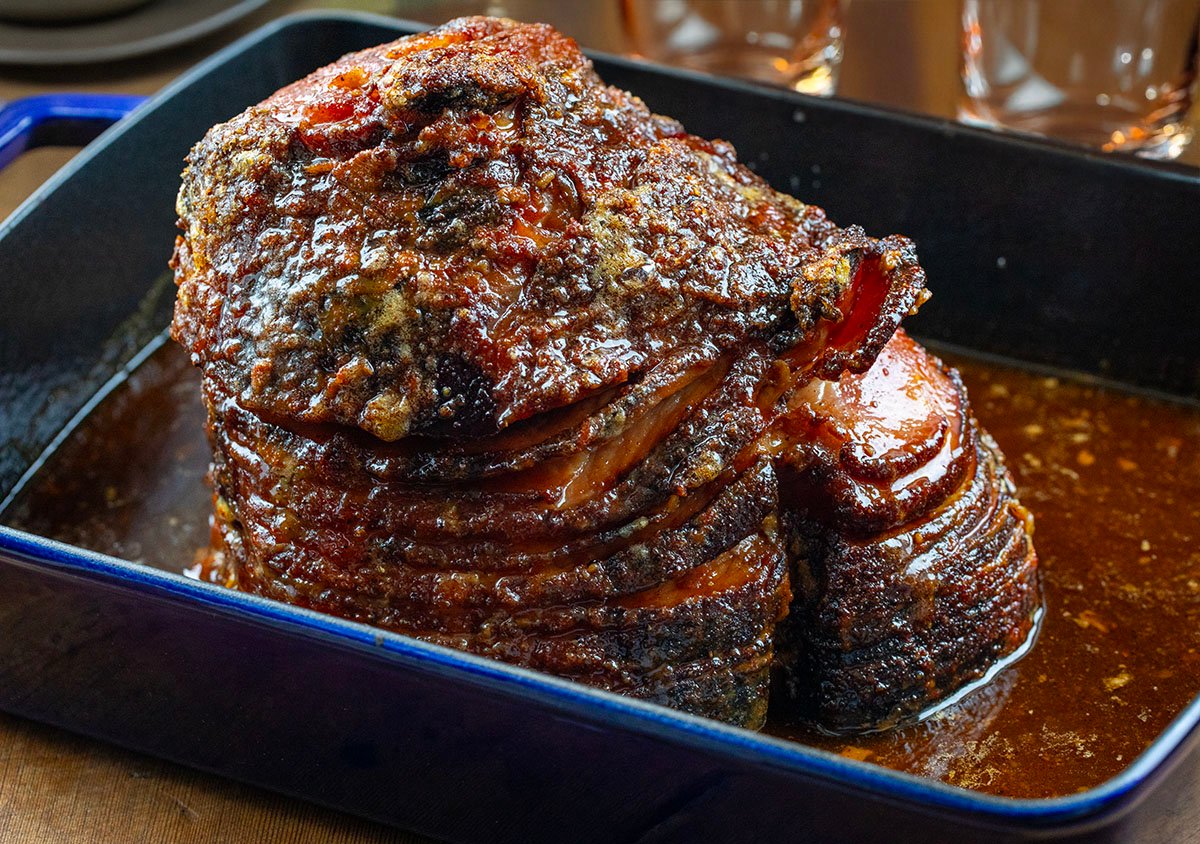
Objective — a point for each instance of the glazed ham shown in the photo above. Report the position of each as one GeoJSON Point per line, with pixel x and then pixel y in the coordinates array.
{"type": "Point", "coordinates": [497, 358]}
{"type": "Point", "coordinates": [913, 567]}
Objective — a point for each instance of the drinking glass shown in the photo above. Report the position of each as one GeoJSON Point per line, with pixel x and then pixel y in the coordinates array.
{"type": "Point", "coordinates": [1114, 74]}
{"type": "Point", "coordinates": [793, 43]}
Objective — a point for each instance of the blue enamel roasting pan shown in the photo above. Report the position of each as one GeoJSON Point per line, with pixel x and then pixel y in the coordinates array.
{"type": "Point", "coordinates": [1040, 253]}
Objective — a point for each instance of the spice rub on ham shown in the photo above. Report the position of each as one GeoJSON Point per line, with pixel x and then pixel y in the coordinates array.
{"type": "Point", "coordinates": [495, 357]}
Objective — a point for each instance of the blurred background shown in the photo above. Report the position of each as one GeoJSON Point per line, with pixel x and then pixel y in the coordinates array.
{"type": "Point", "coordinates": [1129, 61]}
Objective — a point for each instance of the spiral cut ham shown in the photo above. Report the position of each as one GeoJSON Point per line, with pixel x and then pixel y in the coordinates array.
{"type": "Point", "coordinates": [497, 358]}
{"type": "Point", "coordinates": [912, 562]}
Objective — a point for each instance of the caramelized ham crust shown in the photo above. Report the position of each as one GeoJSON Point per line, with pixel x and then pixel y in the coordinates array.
{"type": "Point", "coordinates": [495, 357]}
{"type": "Point", "coordinates": [466, 228]}
{"type": "Point", "coordinates": [913, 566]}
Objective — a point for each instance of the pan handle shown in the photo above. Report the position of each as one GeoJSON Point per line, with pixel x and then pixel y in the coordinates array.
{"type": "Point", "coordinates": [59, 120]}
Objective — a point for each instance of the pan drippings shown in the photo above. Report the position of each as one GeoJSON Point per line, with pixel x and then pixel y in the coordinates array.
{"type": "Point", "coordinates": [1114, 479]}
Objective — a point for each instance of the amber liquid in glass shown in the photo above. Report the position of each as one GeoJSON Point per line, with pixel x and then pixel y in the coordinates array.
{"type": "Point", "coordinates": [793, 43]}
{"type": "Point", "coordinates": [1113, 74]}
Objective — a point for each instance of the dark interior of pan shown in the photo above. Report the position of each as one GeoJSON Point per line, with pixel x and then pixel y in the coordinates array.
{"type": "Point", "coordinates": [1037, 253]}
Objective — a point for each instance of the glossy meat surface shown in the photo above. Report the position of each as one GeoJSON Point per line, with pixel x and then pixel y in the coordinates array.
{"type": "Point", "coordinates": [466, 228]}
{"type": "Point", "coordinates": [494, 357]}
{"type": "Point", "coordinates": [913, 566]}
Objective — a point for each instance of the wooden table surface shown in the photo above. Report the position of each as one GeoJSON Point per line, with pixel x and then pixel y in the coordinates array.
{"type": "Point", "coordinates": [55, 786]}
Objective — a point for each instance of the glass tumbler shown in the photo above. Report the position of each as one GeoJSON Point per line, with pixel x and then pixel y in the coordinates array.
{"type": "Point", "coordinates": [793, 43]}
{"type": "Point", "coordinates": [1114, 74]}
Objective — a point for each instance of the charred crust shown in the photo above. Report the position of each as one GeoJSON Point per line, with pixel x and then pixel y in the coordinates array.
{"type": "Point", "coordinates": [475, 193]}
{"type": "Point", "coordinates": [497, 358]}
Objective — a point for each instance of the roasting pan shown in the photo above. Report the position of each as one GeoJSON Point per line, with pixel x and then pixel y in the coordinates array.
{"type": "Point", "coordinates": [1038, 253]}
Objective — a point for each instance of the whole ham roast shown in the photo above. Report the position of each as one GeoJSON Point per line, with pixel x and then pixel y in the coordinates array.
{"type": "Point", "coordinates": [497, 358]}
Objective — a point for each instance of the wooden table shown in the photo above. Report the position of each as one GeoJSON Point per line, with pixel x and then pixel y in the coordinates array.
{"type": "Point", "coordinates": [55, 786]}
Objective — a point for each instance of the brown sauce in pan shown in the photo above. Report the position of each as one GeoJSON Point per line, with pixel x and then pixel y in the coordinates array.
{"type": "Point", "coordinates": [1113, 479]}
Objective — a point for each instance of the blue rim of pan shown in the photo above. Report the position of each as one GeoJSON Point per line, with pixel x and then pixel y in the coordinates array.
{"type": "Point", "coordinates": [1103, 802]}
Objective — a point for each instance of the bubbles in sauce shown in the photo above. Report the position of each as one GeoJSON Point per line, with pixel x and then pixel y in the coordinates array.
{"type": "Point", "coordinates": [1113, 480]}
